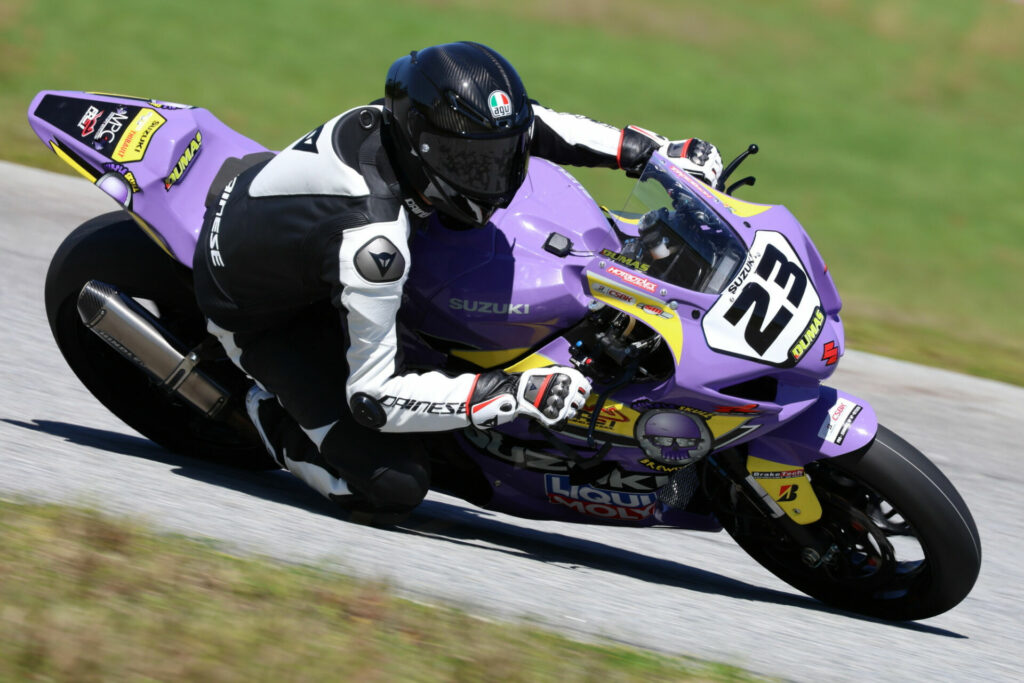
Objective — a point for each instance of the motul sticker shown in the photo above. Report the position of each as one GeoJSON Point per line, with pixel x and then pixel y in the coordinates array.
{"type": "Point", "coordinates": [500, 104]}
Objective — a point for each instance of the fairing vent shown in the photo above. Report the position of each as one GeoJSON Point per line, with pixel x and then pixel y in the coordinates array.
{"type": "Point", "coordinates": [759, 390]}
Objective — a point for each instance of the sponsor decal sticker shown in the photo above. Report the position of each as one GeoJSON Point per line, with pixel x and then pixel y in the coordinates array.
{"type": "Point", "coordinates": [672, 437]}
{"type": "Point", "coordinates": [595, 502]}
{"type": "Point", "coordinates": [786, 474]}
{"type": "Point", "coordinates": [840, 418]}
{"type": "Point", "coordinates": [651, 309]}
{"type": "Point", "coordinates": [810, 335]}
{"type": "Point", "coordinates": [88, 121]}
{"type": "Point", "coordinates": [614, 293]}
{"type": "Point", "coordinates": [625, 260]}
{"type": "Point", "coordinates": [633, 279]}
{"type": "Point", "coordinates": [137, 136]}
{"type": "Point", "coordinates": [741, 276]}
{"type": "Point", "coordinates": [111, 126]}
{"type": "Point", "coordinates": [184, 161]}
{"type": "Point", "coordinates": [500, 104]}
{"type": "Point", "coordinates": [494, 307]}
{"type": "Point", "coordinates": [831, 353]}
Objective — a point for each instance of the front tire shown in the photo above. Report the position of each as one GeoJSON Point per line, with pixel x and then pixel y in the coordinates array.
{"type": "Point", "coordinates": [111, 248]}
{"type": "Point", "coordinates": [905, 546]}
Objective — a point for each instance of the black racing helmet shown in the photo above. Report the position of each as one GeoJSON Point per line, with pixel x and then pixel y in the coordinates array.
{"type": "Point", "coordinates": [458, 126]}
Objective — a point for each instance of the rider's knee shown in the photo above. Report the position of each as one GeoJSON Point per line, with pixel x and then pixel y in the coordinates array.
{"type": "Point", "coordinates": [397, 490]}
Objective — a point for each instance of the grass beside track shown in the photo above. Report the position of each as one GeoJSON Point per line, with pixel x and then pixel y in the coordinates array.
{"type": "Point", "coordinates": [86, 598]}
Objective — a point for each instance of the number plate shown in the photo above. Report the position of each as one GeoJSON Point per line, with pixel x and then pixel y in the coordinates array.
{"type": "Point", "coordinates": [770, 312]}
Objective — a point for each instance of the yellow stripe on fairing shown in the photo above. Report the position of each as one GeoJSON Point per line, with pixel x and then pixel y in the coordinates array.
{"type": "Point", "coordinates": [671, 329]}
{"type": "Point", "coordinates": [531, 362]}
{"type": "Point", "coordinates": [152, 234]}
{"type": "Point", "coordinates": [488, 359]}
{"type": "Point", "coordinates": [738, 206]}
{"type": "Point", "coordinates": [71, 162]}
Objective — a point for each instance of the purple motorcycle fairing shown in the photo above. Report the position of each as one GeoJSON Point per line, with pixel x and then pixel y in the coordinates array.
{"type": "Point", "coordinates": [494, 295]}
{"type": "Point", "coordinates": [506, 260]}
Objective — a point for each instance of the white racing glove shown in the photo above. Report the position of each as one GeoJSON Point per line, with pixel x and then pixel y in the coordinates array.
{"type": "Point", "coordinates": [548, 395]}
{"type": "Point", "coordinates": [693, 155]}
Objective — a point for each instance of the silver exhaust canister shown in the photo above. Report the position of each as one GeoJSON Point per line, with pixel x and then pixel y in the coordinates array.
{"type": "Point", "coordinates": [135, 333]}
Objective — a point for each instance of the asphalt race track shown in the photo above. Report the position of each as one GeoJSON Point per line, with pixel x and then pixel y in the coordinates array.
{"type": "Point", "coordinates": [677, 592]}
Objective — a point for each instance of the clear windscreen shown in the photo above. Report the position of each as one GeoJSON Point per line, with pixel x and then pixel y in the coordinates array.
{"type": "Point", "coordinates": [682, 240]}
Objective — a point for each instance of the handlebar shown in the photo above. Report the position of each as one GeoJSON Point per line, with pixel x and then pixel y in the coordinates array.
{"type": "Point", "coordinates": [733, 165]}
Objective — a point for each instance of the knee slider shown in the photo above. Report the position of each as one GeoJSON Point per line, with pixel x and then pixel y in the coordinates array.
{"type": "Point", "coordinates": [396, 490]}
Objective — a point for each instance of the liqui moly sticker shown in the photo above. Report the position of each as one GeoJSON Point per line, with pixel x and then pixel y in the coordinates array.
{"type": "Point", "coordinates": [633, 279]}
{"type": "Point", "coordinates": [500, 104]}
{"type": "Point", "coordinates": [840, 419]}
{"type": "Point", "coordinates": [595, 502]}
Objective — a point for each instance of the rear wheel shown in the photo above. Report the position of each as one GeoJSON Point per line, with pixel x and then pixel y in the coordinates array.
{"type": "Point", "coordinates": [111, 248]}
{"type": "Point", "coordinates": [899, 540]}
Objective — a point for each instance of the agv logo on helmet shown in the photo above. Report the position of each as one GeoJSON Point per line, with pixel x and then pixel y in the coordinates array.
{"type": "Point", "coordinates": [500, 104]}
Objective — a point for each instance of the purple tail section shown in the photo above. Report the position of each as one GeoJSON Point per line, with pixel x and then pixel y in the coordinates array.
{"type": "Point", "coordinates": [155, 159]}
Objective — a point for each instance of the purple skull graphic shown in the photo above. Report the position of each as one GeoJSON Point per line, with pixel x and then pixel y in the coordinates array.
{"type": "Point", "coordinates": [672, 437]}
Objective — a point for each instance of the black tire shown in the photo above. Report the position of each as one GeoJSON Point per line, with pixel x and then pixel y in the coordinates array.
{"type": "Point", "coordinates": [113, 249]}
{"type": "Point", "coordinates": [907, 546]}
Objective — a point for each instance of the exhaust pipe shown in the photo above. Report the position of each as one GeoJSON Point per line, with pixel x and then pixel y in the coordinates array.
{"type": "Point", "coordinates": [137, 335]}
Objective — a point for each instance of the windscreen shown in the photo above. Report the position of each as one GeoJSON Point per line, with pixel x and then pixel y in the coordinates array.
{"type": "Point", "coordinates": [682, 240]}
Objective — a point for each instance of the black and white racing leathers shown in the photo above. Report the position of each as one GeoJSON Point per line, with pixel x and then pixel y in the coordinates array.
{"type": "Point", "coordinates": [325, 224]}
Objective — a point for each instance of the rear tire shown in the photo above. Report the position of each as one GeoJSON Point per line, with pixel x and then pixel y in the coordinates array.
{"type": "Point", "coordinates": [906, 545]}
{"type": "Point", "coordinates": [111, 248]}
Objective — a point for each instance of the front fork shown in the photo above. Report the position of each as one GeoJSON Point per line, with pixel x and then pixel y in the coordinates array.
{"type": "Point", "coordinates": [769, 471]}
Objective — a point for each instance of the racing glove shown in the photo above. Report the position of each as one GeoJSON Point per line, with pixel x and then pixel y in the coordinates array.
{"type": "Point", "coordinates": [548, 395]}
{"type": "Point", "coordinates": [693, 155]}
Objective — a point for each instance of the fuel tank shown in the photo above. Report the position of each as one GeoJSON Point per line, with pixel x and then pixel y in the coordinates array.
{"type": "Point", "coordinates": [488, 295]}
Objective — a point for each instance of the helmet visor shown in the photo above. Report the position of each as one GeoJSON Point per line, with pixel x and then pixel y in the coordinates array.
{"type": "Point", "coordinates": [484, 168]}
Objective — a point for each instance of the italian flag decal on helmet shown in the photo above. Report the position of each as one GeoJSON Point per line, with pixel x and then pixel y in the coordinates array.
{"type": "Point", "coordinates": [500, 103]}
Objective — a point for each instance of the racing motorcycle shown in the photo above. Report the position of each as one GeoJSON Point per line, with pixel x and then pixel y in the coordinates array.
{"type": "Point", "coordinates": [707, 324]}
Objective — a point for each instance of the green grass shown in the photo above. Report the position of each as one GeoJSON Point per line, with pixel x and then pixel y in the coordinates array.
{"type": "Point", "coordinates": [889, 127]}
{"type": "Point", "coordinates": [85, 598]}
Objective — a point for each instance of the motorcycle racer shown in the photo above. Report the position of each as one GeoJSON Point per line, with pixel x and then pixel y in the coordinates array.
{"type": "Point", "coordinates": [325, 225]}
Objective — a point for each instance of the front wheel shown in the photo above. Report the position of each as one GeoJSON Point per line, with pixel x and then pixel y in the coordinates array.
{"type": "Point", "coordinates": [900, 542]}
